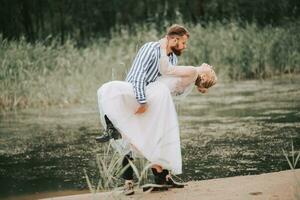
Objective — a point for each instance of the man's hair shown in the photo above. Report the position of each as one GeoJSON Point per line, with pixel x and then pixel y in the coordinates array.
{"type": "Point", "coordinates": [177, 30]}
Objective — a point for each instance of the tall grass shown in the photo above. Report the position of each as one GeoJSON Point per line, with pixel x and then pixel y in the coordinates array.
{"type": "Point", "coordinates": [47, 73]}
{"type": "Point", "coordinates": [110, 169]}
{"type": "Point", "coordinates": [246, 52]}
{"type": "Point", "coordinates": [295, 155]}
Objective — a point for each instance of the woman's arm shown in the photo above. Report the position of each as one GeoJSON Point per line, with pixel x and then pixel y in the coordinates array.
{"type": "Point", "coordinates": [166, 68]}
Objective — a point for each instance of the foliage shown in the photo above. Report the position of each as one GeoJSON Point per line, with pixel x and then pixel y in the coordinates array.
{"type": "Point", "coordinates": [85, 20]}
{"type": "Point", "coordinates": [46, 73]}
{"type": "Point", "coordinates": [110, 169]}
{"type": "Point", "coordinates": [293, 164]}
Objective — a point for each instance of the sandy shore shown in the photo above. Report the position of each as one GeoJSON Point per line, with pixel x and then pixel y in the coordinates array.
{"type": "Point", "coordinates": [284, 185]}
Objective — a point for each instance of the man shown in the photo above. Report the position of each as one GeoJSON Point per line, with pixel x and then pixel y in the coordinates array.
{"type": "Point", "coordinates": [144, 70]}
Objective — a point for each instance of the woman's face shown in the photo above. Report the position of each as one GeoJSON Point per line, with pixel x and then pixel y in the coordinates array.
{"type": "Point", "coordinates": [201, 88]}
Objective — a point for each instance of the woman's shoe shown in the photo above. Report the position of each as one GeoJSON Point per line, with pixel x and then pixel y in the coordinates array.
{"type": "Point", "coordinates": [103, 138]}
{"type": "Point", "coordinates": [110, 133]}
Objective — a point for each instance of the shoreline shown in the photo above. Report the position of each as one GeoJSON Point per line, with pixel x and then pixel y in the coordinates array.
{"type": "Point", "coordinates": [275, 186]}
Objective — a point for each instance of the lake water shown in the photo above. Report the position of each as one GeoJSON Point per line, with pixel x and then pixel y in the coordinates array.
{"type": "Point", "coordinates": [236, 129]}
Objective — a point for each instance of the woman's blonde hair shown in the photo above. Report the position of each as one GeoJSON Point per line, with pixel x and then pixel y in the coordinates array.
{"type": "Point", "coordinates": [210, 73]}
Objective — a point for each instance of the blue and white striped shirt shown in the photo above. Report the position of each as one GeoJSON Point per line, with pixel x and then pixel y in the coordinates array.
{"type": "Point", "coordinates": [144, 69]}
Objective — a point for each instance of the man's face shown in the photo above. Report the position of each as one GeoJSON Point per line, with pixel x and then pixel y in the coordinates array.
{"type": "Point", "coordinates": [178, 44]}
{"type": "Point", "coordinates": [200, 85]}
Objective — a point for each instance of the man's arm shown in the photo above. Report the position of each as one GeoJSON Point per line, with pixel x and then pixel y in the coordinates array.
{"type": "Point", "coordinates": [141, 63]}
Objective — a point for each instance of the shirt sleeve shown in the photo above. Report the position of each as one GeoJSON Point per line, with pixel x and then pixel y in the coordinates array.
{"type": "Point", "coordinates": [174, 60]}
{"type": "Point", "coordinates": [167, 68]}
{"type": "Point", "coordinates": [141, 63]}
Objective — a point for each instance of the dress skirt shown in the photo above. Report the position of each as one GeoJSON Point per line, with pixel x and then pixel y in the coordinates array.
{"type": "Point", "coordinates": [153, 134]}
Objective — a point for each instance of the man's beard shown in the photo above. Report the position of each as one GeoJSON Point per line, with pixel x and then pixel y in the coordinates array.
{"type": "Point", "coordinates": [176, 51]}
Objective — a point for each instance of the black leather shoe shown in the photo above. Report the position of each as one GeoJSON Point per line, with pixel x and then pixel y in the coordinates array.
{"type": "Point", "coordinates": [103, 138]}
{"type": "Point", "coordinates": [110, 133]}
{"type": "Point", "coordinates": [114, 133]}
{"type": "Point", "coordinates": [165, 178]}
{"type": "Point", "coordinates": [154, 188]}
{"type": "Point", "coordinates": [173, 184]}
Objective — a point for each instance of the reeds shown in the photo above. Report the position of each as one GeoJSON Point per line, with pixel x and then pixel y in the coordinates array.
{"type": "Point", "coordinates": [46, 73]}
{"type": "Point", "coordinates": [246, 52]}
{"type": "Point", "coordinates": [110, 169]}
{"type": "Point", "coordinates": [293, 164]}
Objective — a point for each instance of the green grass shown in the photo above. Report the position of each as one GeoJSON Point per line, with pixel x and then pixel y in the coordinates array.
{"type": "Point", "coordinates": [109, 163]}
{"type": "Point", "coordinates": [295, 155]}
{"type": "Point", "coordinates": [46, 73]}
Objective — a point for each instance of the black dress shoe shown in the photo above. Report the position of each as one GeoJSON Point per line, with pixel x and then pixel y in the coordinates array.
{"type": "Point", "coordinates": [103, 138]}
{"type": "Point", "coordinates": [174, 184]}
{"type": "Point", "coordinates": [155, 188]}
{"type": "Point", "coordinates": [164, 178]}
{"type": "Point", "coordinates": [110, 133]}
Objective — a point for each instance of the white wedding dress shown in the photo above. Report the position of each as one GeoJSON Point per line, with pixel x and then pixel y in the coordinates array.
{"type": "Point", "coordinates": [155, 133]}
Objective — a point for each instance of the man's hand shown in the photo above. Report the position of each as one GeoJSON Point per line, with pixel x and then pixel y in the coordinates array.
{"type": "Point", "coordinates": [142, 108]}
{"type": "Point", "coordinates": [208, 83]}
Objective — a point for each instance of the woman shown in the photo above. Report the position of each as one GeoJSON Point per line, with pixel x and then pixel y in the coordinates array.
{"type": "Point", "coordinates": [155, 133]}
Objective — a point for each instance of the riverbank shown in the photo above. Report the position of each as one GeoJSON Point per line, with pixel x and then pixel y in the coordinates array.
{"type": "Point", "coordinates": [276, 186]}
{"type": "Point", "coordinates": [236, 129]}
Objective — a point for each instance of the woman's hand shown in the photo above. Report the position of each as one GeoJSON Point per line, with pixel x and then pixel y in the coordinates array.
{"type": "Point", "coordinates": [142, 108]}
{"type": "Point", "coordinates": [164, 43]}
{"type": "Point", "coordinates": [206, 65]}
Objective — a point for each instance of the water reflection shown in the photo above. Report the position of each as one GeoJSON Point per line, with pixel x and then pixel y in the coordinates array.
{"type": "Point", "coordinates": [237, 129]}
